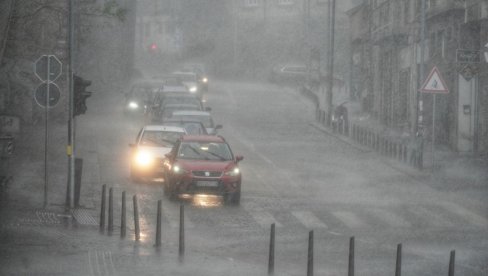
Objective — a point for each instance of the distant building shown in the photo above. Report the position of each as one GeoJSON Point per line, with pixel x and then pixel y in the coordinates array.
{"type": "Point", "coordinates": [386, 58]}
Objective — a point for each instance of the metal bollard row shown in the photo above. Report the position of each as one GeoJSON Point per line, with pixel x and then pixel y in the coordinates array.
{"type": "Point", "coordinates": [386, 146]}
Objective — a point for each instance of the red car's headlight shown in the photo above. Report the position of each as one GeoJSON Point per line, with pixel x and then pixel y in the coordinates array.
{"type": "Point", "coordinates": [234, 172]}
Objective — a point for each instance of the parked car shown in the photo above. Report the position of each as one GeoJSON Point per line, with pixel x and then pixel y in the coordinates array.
{"type": "Point", "coordinates": [202, 116]}
{"type": "Point", "coordinates": [289, 74]}
{"type": "Point", "coordinates": [148, 152]}
{"type": "Point", "coordinates": [203, 164]}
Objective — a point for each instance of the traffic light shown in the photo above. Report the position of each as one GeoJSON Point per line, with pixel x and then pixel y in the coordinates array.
{"type": "Point", "coordinates": [80, 95]}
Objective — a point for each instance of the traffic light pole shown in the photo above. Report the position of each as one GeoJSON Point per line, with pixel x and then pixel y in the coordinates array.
{"type": "Point", "coordinates": [71, 121]}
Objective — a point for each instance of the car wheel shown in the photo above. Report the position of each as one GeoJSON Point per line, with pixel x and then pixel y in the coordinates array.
{"type": "Point", "coordinates": [232, 198]}
{"type": "Point", "coordinates": [236, 198]}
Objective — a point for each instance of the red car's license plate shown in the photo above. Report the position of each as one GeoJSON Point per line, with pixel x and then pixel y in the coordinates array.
{"type": "Point", "coordinates": [207, 184]}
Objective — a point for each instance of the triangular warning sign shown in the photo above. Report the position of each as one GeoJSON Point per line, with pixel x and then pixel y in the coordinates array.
{"type": "Point", "coordinates": [434, 83]}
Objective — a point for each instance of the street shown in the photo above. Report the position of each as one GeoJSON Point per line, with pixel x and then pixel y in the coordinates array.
{"type": "Point", "coordinates": [295, 175]}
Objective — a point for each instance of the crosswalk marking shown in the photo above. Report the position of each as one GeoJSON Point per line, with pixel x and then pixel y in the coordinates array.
{"type": "Point", "coordinates": [393, 220]}
{"type": "Point", "coordinates": [472, 217]}
{"type": "Point", "coordinates": [265, 219]}
{"type": "Point", "coordinates": [350, 219]}
{"type": "Point", "coordinates": [308, 219]}
{"type": "Point", "coordinates": [431, 217]}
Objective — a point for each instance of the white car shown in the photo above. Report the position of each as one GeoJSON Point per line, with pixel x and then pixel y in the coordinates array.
{"type": "Point", "coordinates": [201, 116]}
{"type": "Point", "coordinates": [148, 153]}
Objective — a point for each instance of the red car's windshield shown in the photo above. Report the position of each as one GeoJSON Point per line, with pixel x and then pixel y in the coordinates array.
{"type": "Point", "coordinates": [204, 151]}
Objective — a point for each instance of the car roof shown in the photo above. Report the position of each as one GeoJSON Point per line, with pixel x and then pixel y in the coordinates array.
{"type": "Point", "coordinates": [183, 73]}
{"type": "Point", "coordinates": [164, 128]}
{"type": "Point", "coordinates": [180, 105]}
{"type": "Point", "coordinates": [202, 138]}
{"type": "Point", "coordinates": [174, 88]}
{"type": "Point", "coordinates": [191, 112]}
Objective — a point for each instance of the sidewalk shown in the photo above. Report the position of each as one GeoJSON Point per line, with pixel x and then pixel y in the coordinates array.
{"type": "Point", "coordinates": [452, 171]}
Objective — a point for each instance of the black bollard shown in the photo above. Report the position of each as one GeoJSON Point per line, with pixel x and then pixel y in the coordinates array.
{"type": "Point", "coordinates": [102, 209]}
{"type": "Point", "coordinates": [78, 176]}
{"type": "Point", "coordinates": [181, 245]}
{"type": "Point", "coordinates": [452, 260]}
{"type": "Point", "coordinates": [350, 270]}
{"type": "Point", "coordinates": [122, 217]}
{"type": "Point", "coordinates": [110, 211]}
{"type": "Point", "coordinates": [398, 266]}
{"type": "Point", "coordinates": [158, 225]}
{"type": "Point", "coordinates": [271, 250]}
{"type": "Point", "coordinates": [136, 219]}
{"type": "Point", "coordinates": [310, 254]}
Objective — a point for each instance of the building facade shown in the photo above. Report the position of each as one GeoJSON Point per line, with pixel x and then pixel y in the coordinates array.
{"type": "Point", "coordinates": [386, 52]}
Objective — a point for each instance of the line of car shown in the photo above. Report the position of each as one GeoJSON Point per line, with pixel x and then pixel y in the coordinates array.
{"type": "Point", "coordinates": [180, 146]}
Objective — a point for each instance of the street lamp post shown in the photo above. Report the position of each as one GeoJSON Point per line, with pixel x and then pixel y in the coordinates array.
{"type": "Point", "coordinates": [330, 58]}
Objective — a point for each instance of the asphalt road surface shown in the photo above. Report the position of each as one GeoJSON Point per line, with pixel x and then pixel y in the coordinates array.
{"type": "Point", "coordinates": [295, 175]}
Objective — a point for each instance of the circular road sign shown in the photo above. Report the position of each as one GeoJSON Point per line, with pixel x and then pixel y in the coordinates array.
{"type": "Point", "coordinates": [45, 64]}
{"type": "Point", "coordinates": [41, 94]}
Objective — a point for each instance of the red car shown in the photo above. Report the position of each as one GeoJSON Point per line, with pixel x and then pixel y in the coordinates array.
{"type": "Point", "coordinates": [203, 164]}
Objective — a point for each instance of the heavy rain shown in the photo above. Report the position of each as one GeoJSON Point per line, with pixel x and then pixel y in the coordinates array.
{"type": "Point", "coordinates": [244, 137]}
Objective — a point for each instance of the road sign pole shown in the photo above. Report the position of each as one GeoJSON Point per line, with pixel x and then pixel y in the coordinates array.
{"type": "Point", "coordinates": [71, 124]}
{"type": "Point", "coordinates": [433, 133]}
{"type": "Point", "coordinates": [46, 136]}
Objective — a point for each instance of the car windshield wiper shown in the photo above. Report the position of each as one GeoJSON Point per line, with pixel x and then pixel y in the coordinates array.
{"type": "Point", "coordinates": [155, 142]}
{"type": "Point", "coordinates": [195, 150]}
{"type": "Point", "coordinates": [218, 156]}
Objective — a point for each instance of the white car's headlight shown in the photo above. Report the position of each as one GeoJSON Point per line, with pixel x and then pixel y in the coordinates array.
{"type": "Point", "coordinates": [204, 80]}
{"type": "Point", "coordinates": [144, 158]}
{"type": "Point", "coordinates": [193, 89]}
{"type": "Point", "coordinates": [133, 105]}
{"type": "Point", "coordinates": [234, 172]}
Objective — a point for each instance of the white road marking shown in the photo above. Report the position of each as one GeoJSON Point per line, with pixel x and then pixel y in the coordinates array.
{"type": "Point", "coordinates": [470, 216]}
{"type": "Point", "coordinates": [264, 219]}
{"type": "Point", "coordinates": [350, 219]}
{"type": "Point", "coordinates": [393, 220]}
{"type": "Point", "coordinates": [309, 220]}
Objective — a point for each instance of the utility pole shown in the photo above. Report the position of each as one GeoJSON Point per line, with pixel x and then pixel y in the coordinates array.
{"type": "Point", "coordinates": [419, 128]}
{"type": "Point", "coordinates": [330, 58]}
{"type": "Point", "coordinates": [70, 150]}
{"type": "Point", "coordinates": [234, 36]}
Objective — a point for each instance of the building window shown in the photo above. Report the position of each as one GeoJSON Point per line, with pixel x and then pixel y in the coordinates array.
{"type": "Point", "coordinates": [402, 103]}
{"type": "Point", "coordinates": [437, 43]}
{"type": "Point", "coordinates": [285, 2]}
{"type": "Point", "coordinates": [430, 4]}
{"type": "Point", "coordinates": [406, 11]}
{"type": "Point", "coordinates": [251, 3]}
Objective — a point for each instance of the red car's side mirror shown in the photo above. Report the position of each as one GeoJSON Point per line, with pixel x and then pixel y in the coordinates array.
{"type": "Point", "coordinates": [239, 158]}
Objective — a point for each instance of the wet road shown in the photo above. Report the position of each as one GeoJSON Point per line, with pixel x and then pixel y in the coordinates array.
{"type": "Point", "coordinates": [296, 176]}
